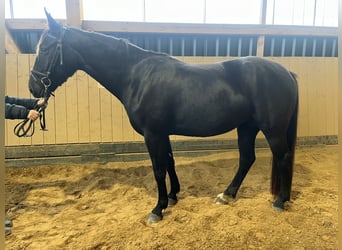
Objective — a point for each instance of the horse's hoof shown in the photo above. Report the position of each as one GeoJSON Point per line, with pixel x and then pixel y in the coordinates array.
{"type": "Point", "coordinates": [8, 230]}
{"type": "Point", "coordinates": [153, 218]}
{"type": "Point", "coordinates": [278, 207]}
{"type": "Point", "coordinates": [8, 223]}
{"type": "Point", "coordinates": [172, 202]}
{"type": "Point", "coordinates": [222, 199]}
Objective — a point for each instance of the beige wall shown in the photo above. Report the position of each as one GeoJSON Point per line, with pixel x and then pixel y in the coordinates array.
{"type": "Point", "coordinates": [83, 111]}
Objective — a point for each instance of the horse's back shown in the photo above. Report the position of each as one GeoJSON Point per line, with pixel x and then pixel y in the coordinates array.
{"type": "Point", "coordinates": [253, 69]}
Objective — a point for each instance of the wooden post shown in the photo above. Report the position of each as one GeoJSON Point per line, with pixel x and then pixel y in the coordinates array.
{"type": "Point", "coordinates": [260, 46]}
{"type": "Point", "coordinates": [340, 116]}
{"type": "Point", "coordinates": [261, 38]}
{"type": "Point", "coordinates": [74, 13]}
{"type": "Point", "coordinates": [2, 127]}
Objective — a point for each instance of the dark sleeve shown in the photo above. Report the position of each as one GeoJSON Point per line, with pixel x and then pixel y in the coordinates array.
{"type": "Point", "coordinates": [28, 103]}
{"type": "Point", "coordinates": [13, 111]}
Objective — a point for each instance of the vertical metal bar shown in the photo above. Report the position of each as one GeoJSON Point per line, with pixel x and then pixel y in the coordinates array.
{"type": "Point", "coordinates": [205, 12]}
{"type": "Point", "coordinates": [334, 48]}
{"type": "Point", "coordinates": [171, 46]}
{"type": "Point", "coordinates": [304, 47]}
{"type": "Point", "coordinates": [228, 47]}
{"type": "Point", "coordinates": [314, 15]}
{"type": "Point", "coordinates": [324, 47]}
{"type": "Point", "coordinates": [11, 8]}
{"type": "Point", "coordinates": [294, 41]}
{"type": "Point", "coordinates": [182, 46]}
{"type": "Point", "coordinates": [194, 47]}
{"type": "Point", "coordinates": [263, 11]}
{"type": "Point", "coordinates": [272, 47]}
{"type": "Point", "coordinates": [314, 47]}
{"type": "Point", "coordinates": [158, 44]}
{"type": "Point", "coordinates": [274, 5]}
{"type": "Point", "coordinates": [144, 11]}
{"type": "Point", "coordinates": [250, 51]}
{"type": "Point", "coordinates": [217, 45]}
{"type": "Point", "coordinates": [205, 47]}
{"type": "Point", "coordinates": [283, 41]}
{"type": "Point", "coordinates": [239, 46]}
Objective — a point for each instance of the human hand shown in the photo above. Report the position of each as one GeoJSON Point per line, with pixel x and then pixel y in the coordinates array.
{"type": "Point", "coordinates": [33, 115]}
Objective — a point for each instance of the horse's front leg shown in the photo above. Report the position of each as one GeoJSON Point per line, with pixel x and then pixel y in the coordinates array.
{"type": "Point", "coordinates": [158, 148]}
{"type": "Point", "coordinates": [175, 187]}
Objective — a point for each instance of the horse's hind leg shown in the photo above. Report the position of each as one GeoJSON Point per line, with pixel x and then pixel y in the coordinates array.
{"type": "Point", "coordinates": [246, 141]}
{"type": "Point", "coordinates": [282, 168]}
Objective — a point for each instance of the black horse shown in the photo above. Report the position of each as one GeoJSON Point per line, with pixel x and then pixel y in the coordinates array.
{"type": "Point", "coordinates": [164, 96]}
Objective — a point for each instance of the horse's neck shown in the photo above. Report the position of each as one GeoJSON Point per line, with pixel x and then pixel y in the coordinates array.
{"type": "Point", "coordinates": [102, 58]}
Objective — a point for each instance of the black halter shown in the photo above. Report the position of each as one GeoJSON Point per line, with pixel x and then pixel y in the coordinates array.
{"type": "Point", "coordinates": [26, 127]}
{"type": "Point", "coordinates": [44, 78]}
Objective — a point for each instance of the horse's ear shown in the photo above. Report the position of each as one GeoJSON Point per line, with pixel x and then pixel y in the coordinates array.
{"type": "Point", "coordinates": [53, 25]}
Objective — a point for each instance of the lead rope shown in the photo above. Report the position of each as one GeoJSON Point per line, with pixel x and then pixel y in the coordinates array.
{"type": "Point", "coordinates": [21, 130]}
{"type": "Point", "coordinates": [26, 127]}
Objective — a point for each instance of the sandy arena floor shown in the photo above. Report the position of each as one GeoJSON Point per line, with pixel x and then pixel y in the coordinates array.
{"type": "Point", "coordinates": [106, 206]}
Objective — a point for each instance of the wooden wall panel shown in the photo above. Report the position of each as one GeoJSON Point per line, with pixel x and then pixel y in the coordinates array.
{"type": "Point", "coordinates": [83, 107]}
{"type": "Point", "coordinates": [83, 111]}
{"type": "Point", "coordinates": [332, 97]}
{"type": "Point", "coordinates": [72, 109]}
{"type": "Point", "coordinates": [303, 80]}
{"type": "Point", "coordinates": [106, 115]}
{"type": "Point", "coordinates": [48, 135]}
{"type": "Point", "coordinates": [59, 104]}
{"type": "Point", "coordinates": [22, 89]}
{"type": "Point", "coordinates": [94, 111]}
{"type": "Point", "coordinates": [317, 80]}
{"type": "Point", "coordinates": [117, 110]}
{"type": "Point", "coordinates": [11, 89]}
{"type": "Point", "coordinates": [127, 131]}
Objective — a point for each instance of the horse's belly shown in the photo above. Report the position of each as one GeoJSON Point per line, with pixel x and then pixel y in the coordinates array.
{"type": "Point", "coordinates": [205, 124]}
{"type": "Point", "coordinates": [202, 132]}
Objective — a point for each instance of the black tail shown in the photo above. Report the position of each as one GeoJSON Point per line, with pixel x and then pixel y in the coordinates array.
{"type": "Point", "coordinates": [291, 140]}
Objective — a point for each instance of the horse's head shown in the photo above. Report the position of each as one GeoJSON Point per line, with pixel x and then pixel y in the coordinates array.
{"type": "Point", "coordinates": [53, 64]}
